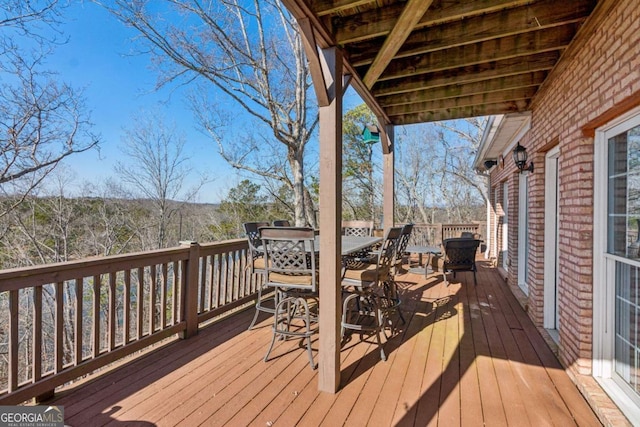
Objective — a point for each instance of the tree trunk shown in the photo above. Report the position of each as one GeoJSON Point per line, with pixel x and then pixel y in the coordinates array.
{"type": "Point", "coordinates": [297, 169]}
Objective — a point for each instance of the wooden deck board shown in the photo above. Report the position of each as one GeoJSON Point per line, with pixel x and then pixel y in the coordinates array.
{"type": "Point", "coordinates": [467, 355]}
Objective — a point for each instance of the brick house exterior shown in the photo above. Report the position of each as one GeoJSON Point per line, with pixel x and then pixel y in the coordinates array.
{"type": "Point", "coordinates": [597, 82]}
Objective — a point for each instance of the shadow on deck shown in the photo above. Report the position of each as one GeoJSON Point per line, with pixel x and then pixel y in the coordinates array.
{"type": "Point", "coordinates": [466, 356]}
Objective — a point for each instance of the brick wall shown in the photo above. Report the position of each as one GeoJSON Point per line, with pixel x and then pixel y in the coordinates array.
{"type": "Point", "coordinates": [602, 74]}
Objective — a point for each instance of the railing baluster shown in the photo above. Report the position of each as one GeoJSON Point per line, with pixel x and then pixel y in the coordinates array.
{"type": "Point", "coordinates": [203, 285]}
{"type": "Point", "coordinates": [36, 356]}
{"type": "Point", "coordinates": [152, 299]}
{"type": "Point", "coordinates": [112, 311]}
{"type": "Point", "coordinates": [96, 315]}
{"type": "Point", "coordinates": [59, 325]}
{"type": "Point", "coordinates": [13, 339]}
{"type": "Point", "coordinates": [126, 310]}
{"type": "Point", "coordinates": [212, 284]}
{"type": "Point", "coordinates": [140, 303]}
{"type": "Point", "coordinates": [219, 270]}
{"type": "Point", "coordinates": [163, 297]}
{"type": "Point", "coordinates": [174, 308]}
{"type": "Point", "coordinates": [78, 320]}
{"type": "Point", "coordinates": [228, 278]}
{"type": "Point", "coordinates": [241, 273]}
{"type": "Point", "coordinates": [237, 282]}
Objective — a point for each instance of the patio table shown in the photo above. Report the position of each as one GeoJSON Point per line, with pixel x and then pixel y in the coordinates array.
{"type": "Point", "coordinates": [421, 250]}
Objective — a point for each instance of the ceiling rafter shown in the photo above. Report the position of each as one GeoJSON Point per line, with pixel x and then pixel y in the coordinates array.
{"type": "Point", "coordinates": [411, 14]}
{"type": "Point", "coordinates": [515, 81]}
{"type": "Point", "coordinates": [379, 22]}
{"type": "Point", "coordinates": [546, 15]}
{"type": "Point", "coordinates": [462, 58]}
{"type": "Point", "coordinates": [468, 74]}
{"type": "Point", "coordinates": [493, 50]}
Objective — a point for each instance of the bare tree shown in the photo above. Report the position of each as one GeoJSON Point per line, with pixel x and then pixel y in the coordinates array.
{"type": "Point", "coordinates": [251, 52]}
{"type": "Point", "coordinates": [435, 170]}
{"type": "Point", "coordinates": [42, 121]}
{"type": "Point", "coordinates": [157, 169]}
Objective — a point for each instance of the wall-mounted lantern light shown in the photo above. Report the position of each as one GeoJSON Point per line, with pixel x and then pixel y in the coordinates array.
{"type": "Point", "coordinates": [488, 164]}
{"type": "Point", "coordinates": [520, 158]}
{"type": "Point", "coordinates": [371, 134]}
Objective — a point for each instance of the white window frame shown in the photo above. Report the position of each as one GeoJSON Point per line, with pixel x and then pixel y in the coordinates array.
{"type": "Point", "coordinates": [604, 275]}
{"type": "Point", "coordinates": [505, 226]}
{"type": "Point", "coordinates": [550, 294]}
{"type": "Point", "coordinates": [523, 231]}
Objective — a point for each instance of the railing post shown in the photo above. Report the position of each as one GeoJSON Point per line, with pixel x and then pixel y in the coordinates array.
{"type": "Point", "coordinates": [190, 296]}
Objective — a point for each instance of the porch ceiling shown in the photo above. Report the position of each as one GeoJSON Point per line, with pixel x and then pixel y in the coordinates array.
{"type": "Point", "coordinates": [427, 60]}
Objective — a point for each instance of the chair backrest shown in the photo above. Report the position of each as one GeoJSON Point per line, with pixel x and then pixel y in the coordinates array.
{"type": "Point", "coordinates": [251, 229]}
{"type": "Point", "coordinates": [388, 251]}
{"type": "Point", "coordinates": [460, 253]}
{"type": "Point", "coordinates": [357, 228]}
{"type": "Point", "coordinates": [290, 257]}
{"type": "Point", "coordinates": [281, 223]}
{"type": "Point", "coordinates": [467, 235]}
{"type": "Point", "coordinates": [403, 242]}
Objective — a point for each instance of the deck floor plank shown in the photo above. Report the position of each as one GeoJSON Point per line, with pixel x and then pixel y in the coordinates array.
{"type": "Point", "coordinates": [498, 333]}
{"type": "Point", "coordinates": [427, 406]}
{"type": "Point", "coordinates": [468, 355]}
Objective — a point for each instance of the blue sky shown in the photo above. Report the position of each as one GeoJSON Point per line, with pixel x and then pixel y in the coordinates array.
{"type": "Point", "coordinates": [99, 57]}
{"type": "Point", "coordinates": [118, 85]}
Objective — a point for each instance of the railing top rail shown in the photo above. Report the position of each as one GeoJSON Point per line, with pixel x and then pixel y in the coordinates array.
{"type": "Point", "coordinates": [224, 246]}
{"type": "Point", "coordinates": [17, 278]}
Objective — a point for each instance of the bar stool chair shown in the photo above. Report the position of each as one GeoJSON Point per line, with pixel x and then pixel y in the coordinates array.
{"type": "Point", "coordinates": [290, 258]}
{"type": "Point", "coordinates": [362, 309]}
{"type": "Point", "coordinates": [257, 267]}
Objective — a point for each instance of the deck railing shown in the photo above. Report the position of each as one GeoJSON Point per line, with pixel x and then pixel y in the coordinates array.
{"type": "Point", "coordinates": [434, 234]}
{"type": "Point", "coordinates": [61, 321]}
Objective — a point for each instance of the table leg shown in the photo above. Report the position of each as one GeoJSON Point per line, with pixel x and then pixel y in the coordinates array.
{"type": "Point", "coordinates": [426, 266]}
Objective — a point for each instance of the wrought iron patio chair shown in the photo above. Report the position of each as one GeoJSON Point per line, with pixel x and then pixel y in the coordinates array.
{"type": "Point", "coordinates": [390, 287]}
{"type": "Point", "coordinates": [363, 308]}
{"type": "Point", "coordinates": [257, 266]}
{"type": "Point", "coordinates": [291, 266]}
{"type": "Point", "coordinates": [357, 228]}
{"type": "Point", "coordinates": [460, 255]}
{"type": "Point", "coordinates": [360, 229]}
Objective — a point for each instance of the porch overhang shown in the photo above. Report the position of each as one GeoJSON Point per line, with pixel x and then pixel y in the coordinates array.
{"type": "Point", "coordinates": [429, 60]}
{"type": "Point", "coordinates": [501, 133]}
{"type": "Point", "coordinates": [418, 61]}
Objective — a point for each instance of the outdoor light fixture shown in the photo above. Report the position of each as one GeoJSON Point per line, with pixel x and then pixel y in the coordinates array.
{"type": "Point", "coordinates": [520, 158]}
{"type": "Point", "coordinates": [488, 164]}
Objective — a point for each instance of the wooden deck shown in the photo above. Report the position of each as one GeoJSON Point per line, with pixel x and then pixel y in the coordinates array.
{"type": "Point", "coordinates": [466, 356]}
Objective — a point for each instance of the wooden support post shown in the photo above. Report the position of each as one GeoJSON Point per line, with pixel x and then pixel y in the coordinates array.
{"type": "Point", "coordinates": [190, 289]}
{"type": "Point", "coordinates": [330, 225]}
{"type": "Point", "coordinates": [388, 186]}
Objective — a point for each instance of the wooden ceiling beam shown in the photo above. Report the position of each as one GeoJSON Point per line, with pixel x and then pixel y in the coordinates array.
{"type": "Point", "coordinates": [411, 14]}
{"type": "Point", "coordinates": [461, 113]}
{"type": "Point", "coordinates": [458, 90]}
{"type": "Point", "coordinates": [300, 10]}
{"type": "Point", "coordinates": [543, 15]}
{"type": "Point", "coordinates": [315, 63]}
{"type": "Point", "coordinates": [379, 22]}
{"type": "Point", "coordinates": [478, 72]}
{"type": "Point", "coordinates": [521, 45]}
{"type": "Point", "coordinates": [332, 7]}
{"type": "Point", "coordinates": [464, 101]}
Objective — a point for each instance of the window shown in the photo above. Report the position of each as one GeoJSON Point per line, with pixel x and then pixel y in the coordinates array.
{"type": "Point", "coordinates": [616, 290]}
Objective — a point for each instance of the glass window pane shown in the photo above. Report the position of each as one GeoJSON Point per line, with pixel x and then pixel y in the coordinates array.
{"type": "Point", "coordinates": [623, 213]}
